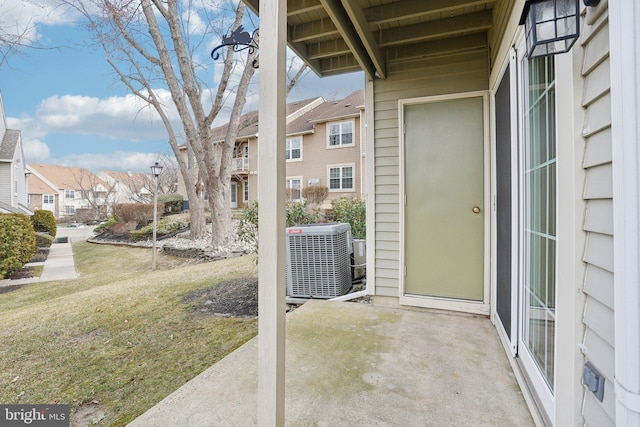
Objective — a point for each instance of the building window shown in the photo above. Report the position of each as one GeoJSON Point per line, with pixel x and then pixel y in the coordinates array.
{"type": "Point", "coordinates": [340, 134]}
{"type": "Point", "coordinates": [69, 209]}
{"type": "Point", "coordinates": [540, 215]}
{"type": "Point", "coordinates": [294, 189]}
{"type": "Point", "coordinates": [246, 190]}
{"type": "Point", "coordinates": [69, 194]}
{"type": "Point", "coordinates": [294, 149]}
{"type": "Point", "coordinates": [47, 199]}
{"type": "Point", "coordinates": [341, 177]}
{"type": "Point", "coordinates": [28, 199]}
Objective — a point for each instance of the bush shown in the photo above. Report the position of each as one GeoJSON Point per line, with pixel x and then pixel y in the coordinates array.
{"type": "Point", "coordinates": [248, 226]}
{"type": "Point", "coordinates": [172, 202]}
{"type": "Point", "coordinates": [296, 214]}
{"type": "Point", "coordinates": [43, 240]}
{"type": "Point", "coordinates": [300, 213]}
{"type": "Point", "coordinates": [44, 222]}
{"type": "Point", "coordinates": [315, 194]}
{"type": "Point", "coordinates": [164, 226]}
{"type": "Point", "coordinates": [105, 225]}
{"type": "Point", "coordinates": [17, 243]}
{"type": "Point", "coordinates": [141, 213]}
{"type": "Point", "coordinates": [354, 212]}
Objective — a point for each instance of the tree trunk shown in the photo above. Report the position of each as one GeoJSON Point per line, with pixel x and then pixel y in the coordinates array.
{"type": "Point", "coordinates": [220, 213]}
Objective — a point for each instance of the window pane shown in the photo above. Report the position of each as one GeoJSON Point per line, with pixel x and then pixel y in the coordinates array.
{"type": "Point", "coordinates": [334, 178]}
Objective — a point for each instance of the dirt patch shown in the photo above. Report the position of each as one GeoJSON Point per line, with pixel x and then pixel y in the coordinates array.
{"type": "Point", "coordinates": [24, 273]}
{"type": "Point", "coordinates": [231, 298]}
{"type": "Point", "coordinates": [9, 288]}
{"type": "Point", "coordinates": [88, 414]}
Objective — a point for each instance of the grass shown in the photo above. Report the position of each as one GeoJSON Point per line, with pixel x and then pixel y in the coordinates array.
{"type": "Point", "coordinates": [119, 335]}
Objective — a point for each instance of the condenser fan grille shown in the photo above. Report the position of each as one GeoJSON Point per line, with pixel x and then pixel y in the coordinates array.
{"type": "Point", "coordinates": [318, 260]}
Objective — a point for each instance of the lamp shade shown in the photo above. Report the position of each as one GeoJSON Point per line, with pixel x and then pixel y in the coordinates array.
{"type": "Point", "coordinates": [156, 169]}
{"type": "Point", "coordinates": [551, 26]}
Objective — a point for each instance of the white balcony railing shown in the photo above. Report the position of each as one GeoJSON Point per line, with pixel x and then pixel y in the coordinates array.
{"type": "Point", "coordinates": [240, 164]}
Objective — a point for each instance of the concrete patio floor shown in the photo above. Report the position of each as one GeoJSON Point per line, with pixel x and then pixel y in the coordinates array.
{"type": "Point", "coordinates": [354, 364]}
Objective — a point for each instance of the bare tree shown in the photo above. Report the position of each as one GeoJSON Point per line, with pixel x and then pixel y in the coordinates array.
{"type": "Point", "coordinates": [148, 44]}
{"type": "Point", "coordinates": [16, 36]}
{"type": "Point", "coordinates": [97, 193]}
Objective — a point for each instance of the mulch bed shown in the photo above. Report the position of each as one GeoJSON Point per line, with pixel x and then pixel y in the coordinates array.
{"type": "Point", "coordinates": [231, 298]}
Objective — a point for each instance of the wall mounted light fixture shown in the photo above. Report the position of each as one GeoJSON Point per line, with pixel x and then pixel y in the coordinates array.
{"type": "Point", "coordinates": [551, 26]}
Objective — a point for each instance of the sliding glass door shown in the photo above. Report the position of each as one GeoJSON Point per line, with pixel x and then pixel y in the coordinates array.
{"type": "Point", "coordinates": [538, 300]}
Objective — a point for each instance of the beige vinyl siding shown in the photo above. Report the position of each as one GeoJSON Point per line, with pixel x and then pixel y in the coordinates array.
{"type": "Point", "coordinates": [598, 317]}
{"type": "Point", "coordinates": [456, 73]}
{"type": "Point", "coordinates": [316, 158]}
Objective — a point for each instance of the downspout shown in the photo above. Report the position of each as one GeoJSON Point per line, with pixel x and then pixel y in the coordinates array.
{"type": "Point", "coordinates": [624, 29]}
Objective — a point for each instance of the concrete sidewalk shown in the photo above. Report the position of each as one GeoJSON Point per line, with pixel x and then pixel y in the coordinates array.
{"type": "Point", "coordinates": [351, 364]}
{"type": "Point", "coordinates": [59, 265]}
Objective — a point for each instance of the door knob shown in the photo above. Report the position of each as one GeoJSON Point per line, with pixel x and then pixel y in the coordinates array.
{"type": "Point", "coordinates": [476, 209]}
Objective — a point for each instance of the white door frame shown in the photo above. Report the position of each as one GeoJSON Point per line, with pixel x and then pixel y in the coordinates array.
{"type": "Point", "coordinates": [479, 307]}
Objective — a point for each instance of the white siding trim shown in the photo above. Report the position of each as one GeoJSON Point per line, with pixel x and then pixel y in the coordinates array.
{"type": "Point", "coordinates": [371, 185]}
{"type": "Point", "coordinates": [625, 95]}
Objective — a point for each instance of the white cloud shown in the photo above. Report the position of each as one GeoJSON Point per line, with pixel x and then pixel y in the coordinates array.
{"type": "Point", "coordinates": [21, 18]}
{"type": "Point", "coordinates": [115, 161]}
{"type": "Point", "coordinates": [123, 117]}
{"type": "Point", "coordinates": [35, 150]}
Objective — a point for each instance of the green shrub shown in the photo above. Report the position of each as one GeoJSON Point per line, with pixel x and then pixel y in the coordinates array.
{"type": "Point", "coordinates": [105, 225]}
{"type": "Point", "coordinates": [172, 202]}
{"type": "Point", "coordinates": [43, 240]}
{"type": "Point", "coordinates": [296, 214]}
{"type": "Point", "coordinates": [44, 221]}
{"type": "Point", "coordinates": [17, 243]}
{"type": "Point", "coordinates": [164, 226]}
{"type": "Point", "coordinates": [354, 212]}
{"type": "Point", "coordinates": [300, 213]}
{"type": "Point", "coordinates": [248, 226]}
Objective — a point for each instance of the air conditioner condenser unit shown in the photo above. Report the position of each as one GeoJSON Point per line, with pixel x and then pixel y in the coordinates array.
{"type": "Point", "coordinates": [318, 260]}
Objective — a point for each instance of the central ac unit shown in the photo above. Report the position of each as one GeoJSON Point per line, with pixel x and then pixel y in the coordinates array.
{"type": "Point", "coordinates": [319, 260]}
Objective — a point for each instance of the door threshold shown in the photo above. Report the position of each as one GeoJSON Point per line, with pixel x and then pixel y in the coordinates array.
{"type": "Point", "coordinates": [465, 306]}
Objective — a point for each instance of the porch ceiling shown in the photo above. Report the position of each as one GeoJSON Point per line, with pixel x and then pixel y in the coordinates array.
{"type": "Point", "coordinates": [341, 36]}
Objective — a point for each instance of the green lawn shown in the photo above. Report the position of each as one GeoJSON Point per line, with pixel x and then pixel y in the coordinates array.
{"type": "Point", "coordinates": [119, 335]}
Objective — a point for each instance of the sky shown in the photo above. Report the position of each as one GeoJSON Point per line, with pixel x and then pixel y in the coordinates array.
{"type": "Point", "coordinates": [72, 110]}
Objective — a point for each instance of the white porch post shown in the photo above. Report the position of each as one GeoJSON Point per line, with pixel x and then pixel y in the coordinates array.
{"type": "Point", "coordinates": [271, 172]}
{"type": "Point", "coordinates": [624, 27]}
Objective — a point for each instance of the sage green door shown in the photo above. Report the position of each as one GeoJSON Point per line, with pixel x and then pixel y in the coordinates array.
{"type": "Point", "coordinates": [444, 187]}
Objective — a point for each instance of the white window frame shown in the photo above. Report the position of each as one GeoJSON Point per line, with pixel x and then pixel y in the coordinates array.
{"type": "Point", "coordinates": [340, 124]}
{"type": "Point", "coordinates": [46, 196]}
{"type": "Point", "coordinates": [245, 190]}
{"type": "Point", "coordinates": [69, 194]}
{"type": "Point", "coordinates": [287, 184]}
{"type": "Point", "coordinates": [342, 166]}
{"type": "Point", "coordinates": [289, 150]}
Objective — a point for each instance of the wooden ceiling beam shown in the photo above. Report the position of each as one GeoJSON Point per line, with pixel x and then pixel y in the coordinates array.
{"type": "Point", "coordinates": [297, 7]}
{"type": "Point", "coordinates": [363, 29]}
{"type": "Point", "coordinates": [346, 29]}
{"type": "Point", "coordinates": [471, 42]}
{"type": "Point", "coordinates": [432, 30]}
{"type": "Point", "coordinates": [327, 49]}
{"type": "Point", "coordinates": [406, 9]}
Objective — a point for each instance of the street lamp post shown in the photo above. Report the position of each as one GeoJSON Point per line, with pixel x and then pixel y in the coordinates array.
{"type": "Point", "coordinates": [155, 170]}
